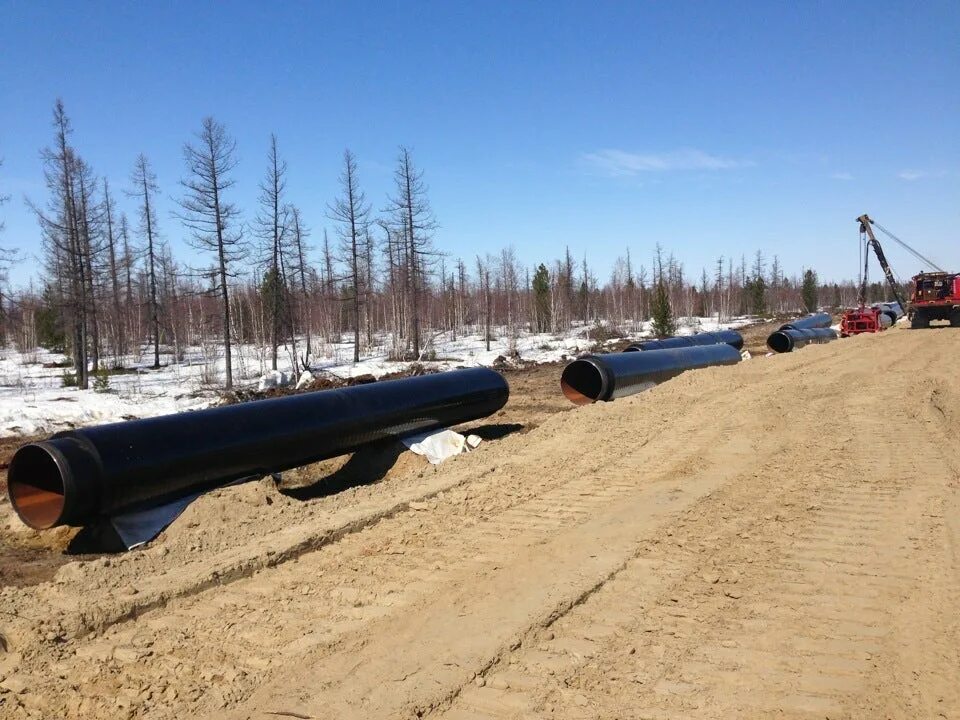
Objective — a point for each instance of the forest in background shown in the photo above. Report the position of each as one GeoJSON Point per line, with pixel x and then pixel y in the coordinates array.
{"type": "Point", "coordinates": [111, 289]}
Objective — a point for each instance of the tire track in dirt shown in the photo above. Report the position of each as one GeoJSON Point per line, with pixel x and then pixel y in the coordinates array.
{"type": "Point", "coordinates": [254, 527]}
{"type": "Point", "coordinates": [809, 626]}
{"type": "Point", "coordinates": [666, 554]}
{"type": "Point", "coordinates": [407, 556]}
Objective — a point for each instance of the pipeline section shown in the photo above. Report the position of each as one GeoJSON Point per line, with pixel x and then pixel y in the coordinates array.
{"type": "Point", "coordinates": [606, 377]}
{"type": "Point", "coordinates": [728, 337]}
{"type": "Point", "coordinates": [802, 331]}
{"type": "Point", "coordinates": [78, 476]}
{"type": "Point", "coordinates": [788, 339]}
{"type": "Point", "coordinates": [817, 320]}
{"type": "Point", "coordinates": [890, 312]}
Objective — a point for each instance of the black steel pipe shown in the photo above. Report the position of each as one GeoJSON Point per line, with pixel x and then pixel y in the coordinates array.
{"type": "Point", "coordinates": [78, 476]}
{"type": "Point", "coordinates": [818, 320]}
{"type": "Point", "coordinates": [789, 339]}
{"type": "Point", "coordinates": [728, 337]}
{"type": "Point", "coordinates": [606, 377]}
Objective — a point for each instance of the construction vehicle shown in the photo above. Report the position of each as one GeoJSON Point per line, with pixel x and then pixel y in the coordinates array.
{"type": "Point", "coordinates": [933, 295]}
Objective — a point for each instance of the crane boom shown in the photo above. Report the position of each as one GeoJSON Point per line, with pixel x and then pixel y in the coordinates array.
{"type": "Point", "coordinates": [866, 228]}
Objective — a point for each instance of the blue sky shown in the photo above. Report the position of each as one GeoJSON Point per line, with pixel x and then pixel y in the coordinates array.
{"type": "Point", "coordinates": [712, 128]}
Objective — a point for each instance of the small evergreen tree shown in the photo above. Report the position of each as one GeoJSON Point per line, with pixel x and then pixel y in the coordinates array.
{"type": "Point", "coordinates": [272, 292]}
{"type": "Point", "coordinates": [756, 292]}
{"type": "Point", "coordinates": [702, 295]}
{"type": "Point", "coordinates": [808, 292]}
{"type": "Point", "coordinates": [663, 323]}
{"type": "Point", "coordinates": [541, 298]}
{"type": "Point", "coordinates": [51, 331]}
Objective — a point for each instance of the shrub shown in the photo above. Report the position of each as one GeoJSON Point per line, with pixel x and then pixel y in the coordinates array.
{"type": "Point", "coordinates": [101, 381]}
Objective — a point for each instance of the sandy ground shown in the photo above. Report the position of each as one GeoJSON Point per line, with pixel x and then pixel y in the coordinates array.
{"type": "Point", "coordinates": [778, 538]}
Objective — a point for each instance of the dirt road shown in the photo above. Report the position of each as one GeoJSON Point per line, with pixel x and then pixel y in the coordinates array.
{"type": "Point", "coordinates": [779, 538]}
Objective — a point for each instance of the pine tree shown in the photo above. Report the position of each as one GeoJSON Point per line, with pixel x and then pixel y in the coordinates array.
{"type": "Point", "coordinates": [809, 291]}
{"type": "Point", "coordinates": [541, 298]}
{"type": "Point", "coordinates": [144, 188]}
{"type": "Point", "coordinates": [663, 322]}
{"type": "Point", "coordinates": [352, 213]}
{"type": "Point", "coordinates": [214, 222]}
{"type": "Point", "coordinates": [756, 289]}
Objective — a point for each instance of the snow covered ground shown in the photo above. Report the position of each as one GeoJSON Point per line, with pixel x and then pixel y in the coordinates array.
{"type": "Point", "coordinates": [34, 400]}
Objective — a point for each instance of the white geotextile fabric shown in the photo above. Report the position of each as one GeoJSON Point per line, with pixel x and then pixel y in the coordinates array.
{"type": "Point", "coordinates": [438, 445]}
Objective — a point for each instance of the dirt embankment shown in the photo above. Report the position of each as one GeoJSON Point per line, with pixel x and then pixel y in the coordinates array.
{"type": "Point", "coordinates": [28, 557]}
{"type": "Point", "coordinates": [744, 541]}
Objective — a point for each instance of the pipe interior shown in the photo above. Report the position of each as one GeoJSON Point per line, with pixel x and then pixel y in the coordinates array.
{"type": "Point", "coordinates": [36, 487]}
{"type": "Point", "coordinates": [779, 342]}
{"type": "Point", "coordinates": [581, 382]}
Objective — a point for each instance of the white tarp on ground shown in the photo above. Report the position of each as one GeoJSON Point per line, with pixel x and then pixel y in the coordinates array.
{"type": "Point", "coordinates": [438, 445]}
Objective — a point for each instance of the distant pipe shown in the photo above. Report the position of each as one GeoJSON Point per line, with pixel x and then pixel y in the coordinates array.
{"type": "Point", "coordinates": [78, 476]}
{"type": "Point", "coordinates": [729, 337]}
{"type": "Point", "coordinates": [606, 377]}
{"type": "Point", "coordinates": [818, 320]}
{"type": "Point", "coordinates": [890, 310]}
{"type": "Point", "coordinates": [789, 339]}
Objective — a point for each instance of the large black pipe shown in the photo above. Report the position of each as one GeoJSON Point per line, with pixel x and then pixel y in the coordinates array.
{"type": "Point", "coordinates": [818, 320]}
{"type": "Point", "coordinates": [80, 475]}
{"type": "Point", "coordinates": [790, 339]}
{"type": "Point", "coordinates": [728, 337]}
{"type": "Point", "coordinates": [606, 377]}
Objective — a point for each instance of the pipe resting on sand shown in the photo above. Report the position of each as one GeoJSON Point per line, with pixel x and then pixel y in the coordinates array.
{"type": "Point", "coordinates": [788, 339]}
{"type": "Point", "coordinates": [606, 377]}
{"type": "Point", "coordinates": [730, 337]}
{"type": "Point", "coordinates": [78, 476]}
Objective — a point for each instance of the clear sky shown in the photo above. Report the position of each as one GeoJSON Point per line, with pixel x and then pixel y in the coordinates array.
{"type": "Point", "coordinates": [712, 128]}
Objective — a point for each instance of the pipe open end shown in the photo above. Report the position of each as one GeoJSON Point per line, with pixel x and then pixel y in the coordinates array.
{"type": "Point", "coordinates": [36, 488]}
{"type": "Point", "coordinates": [780, 342]}
{"type": "Point", "coordinates": [581, 382]}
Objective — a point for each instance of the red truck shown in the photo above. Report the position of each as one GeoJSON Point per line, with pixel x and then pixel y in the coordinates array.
{"type": "Point", "coordinates": [934, 296]}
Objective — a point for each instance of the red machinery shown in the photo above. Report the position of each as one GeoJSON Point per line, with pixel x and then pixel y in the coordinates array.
{"type": "Point", "coordinates": [860, 320]}
{"type": "Point", "coordinates": [933, 295]}
{"type": "Point", "coordinates": [863, 319]}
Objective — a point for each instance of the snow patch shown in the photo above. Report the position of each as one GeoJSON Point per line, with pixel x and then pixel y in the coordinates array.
{"type": "Point", "coordinates": [34, 398]}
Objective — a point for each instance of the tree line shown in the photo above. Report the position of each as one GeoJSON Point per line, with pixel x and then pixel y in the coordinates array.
{"type": "Point", "coordinates": [111, 288]}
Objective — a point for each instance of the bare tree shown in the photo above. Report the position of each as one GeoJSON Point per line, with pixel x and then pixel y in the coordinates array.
{"type": "Point", "coordinates": [3, 201]}
{"type": "Point", "coordinates": [213, 221]}
{"type": "Point", "coordinates": [144, 188]}
{"type": "Point", "coordinates": [271, 230]}
{"type": "Point", "coordinates": [411, 210]}
{"type": "Point", "coordinates": [352, 213]}
{"type": "Point", "coordinates": [300, 268]}
{"type": "Point", "coordinates": [90, 248]}
{"type": "Point", "coordinates": [61, 228]}
{"type": "Point", "coordinates": [483, 291]}
{"type": "Point", "coordinates": [7, 257]}
{"type": "Point", "coordinates": [329, 327]}
{"type": "Point", "coordinates": [117, 320]}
